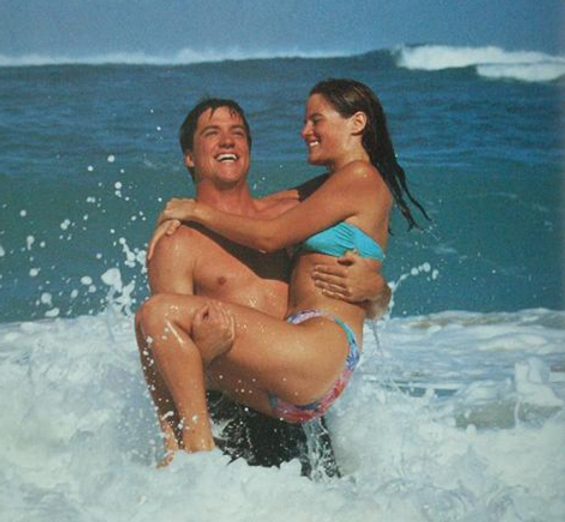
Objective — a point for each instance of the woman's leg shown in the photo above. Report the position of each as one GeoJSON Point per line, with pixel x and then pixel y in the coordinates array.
{"type": "Point", "coordinates": [298, 363]}
{"type": "Point", "coordinates": [164, 404]}
{"type": "Point", "coordinates": [177, 377]}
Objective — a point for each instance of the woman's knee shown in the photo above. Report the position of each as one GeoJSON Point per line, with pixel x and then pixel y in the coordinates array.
{"type": "Point", "coordinates": [160, 312]}
{"type": "Point", "coordinates": [154, 314]}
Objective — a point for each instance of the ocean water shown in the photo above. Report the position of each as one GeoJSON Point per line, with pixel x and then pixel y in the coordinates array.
{"type": "Point", "coordinates": [456, 413]}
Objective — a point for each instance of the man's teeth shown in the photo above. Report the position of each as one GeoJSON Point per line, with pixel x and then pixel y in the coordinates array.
{"type": "Point", "coordinates": [226, 157]}
{"type": "Point", "coordinates": [313, 144]}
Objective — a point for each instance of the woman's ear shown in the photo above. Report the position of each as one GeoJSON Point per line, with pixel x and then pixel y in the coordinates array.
{"type": "Point", "coordinates": [359, 122]}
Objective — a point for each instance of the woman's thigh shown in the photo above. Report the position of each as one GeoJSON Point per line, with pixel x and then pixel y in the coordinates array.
{"type": "Point", "coordinates": [298, 363]}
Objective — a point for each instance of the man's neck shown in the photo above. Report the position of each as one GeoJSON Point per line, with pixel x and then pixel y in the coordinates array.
{"type": "Point", "coordinates": [235, 200]}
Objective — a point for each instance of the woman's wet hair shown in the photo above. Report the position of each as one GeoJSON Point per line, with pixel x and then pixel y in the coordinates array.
{"type": "Point", "coordinates": [350, 96]}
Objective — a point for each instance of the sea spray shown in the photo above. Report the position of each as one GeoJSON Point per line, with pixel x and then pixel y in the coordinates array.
{"type": "Point", "coordinates": [119, 295]}
{"type": "Point", "coordinates": [78, 423]}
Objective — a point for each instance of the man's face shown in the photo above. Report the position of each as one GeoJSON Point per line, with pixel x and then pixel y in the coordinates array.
{"type": "Point", "coordinates": [220, 148]}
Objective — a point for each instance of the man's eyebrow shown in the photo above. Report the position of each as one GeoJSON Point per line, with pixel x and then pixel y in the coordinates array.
{"type": "Point", "coordinates": [209, 127]}
{"type": "Point", "coordinates": [237, 126]}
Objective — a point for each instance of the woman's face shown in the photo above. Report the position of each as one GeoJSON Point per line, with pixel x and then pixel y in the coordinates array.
{"type": "Point", "coordinates": [326, 132]}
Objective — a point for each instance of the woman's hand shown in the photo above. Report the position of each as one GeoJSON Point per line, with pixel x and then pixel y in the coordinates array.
{"type": "Point", "coordinates": [176, 211]}
{"type": "Point", "coordinates": [180, 209]}
{"type": "Point", "coordinates": [166, 228]}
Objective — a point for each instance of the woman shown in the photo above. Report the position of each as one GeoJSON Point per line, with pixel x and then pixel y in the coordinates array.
{"type": "Point", "coordinates": [291, 369]}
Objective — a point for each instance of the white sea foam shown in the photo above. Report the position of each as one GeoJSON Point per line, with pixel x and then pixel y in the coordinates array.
{"type": "Point", "coordinates": [491, 62]}
{"type": "Point", "coordinates": [527, 72]}
{"type": "Point", "coordinates": [185, 56]}
{"type": "Point", "coordinates": [432, 428]}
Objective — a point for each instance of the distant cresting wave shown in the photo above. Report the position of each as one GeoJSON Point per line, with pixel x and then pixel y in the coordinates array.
{"type": "Point", "coordinates": [489, 62]}
{"type": "Point", "coordinates": [183, 57]}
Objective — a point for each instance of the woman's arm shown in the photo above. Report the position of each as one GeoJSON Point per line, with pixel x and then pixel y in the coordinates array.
{"type": "Point", "coordinates": [300, 192]}
{"type": "Point", "coordinates": [346, 193]}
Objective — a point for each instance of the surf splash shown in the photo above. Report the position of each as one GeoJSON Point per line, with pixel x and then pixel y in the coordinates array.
{"type": "Point", "coordinates": [454, 416]}
{"type": "Point", "coordinates": [489, 62]}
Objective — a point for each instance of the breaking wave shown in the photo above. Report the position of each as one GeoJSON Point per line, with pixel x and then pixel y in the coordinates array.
{"type": "Point", "coordinates": [489, 62]}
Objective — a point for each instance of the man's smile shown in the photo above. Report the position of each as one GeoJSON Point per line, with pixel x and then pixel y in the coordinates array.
{"type": "Point", "coordinates": [226, 157]}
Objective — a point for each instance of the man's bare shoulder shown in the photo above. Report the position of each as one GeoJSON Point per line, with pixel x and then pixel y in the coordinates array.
{"type": "Point", "coordinates": [185, 233]}
{"type": "Point", "coordinates": [272, 207]}
{"type": "Point", "coordinates": [186, 241]}
{"type": "Point", "coordinates": [291, 193]}
{"type": "Point", "coordinates": [171, 267]}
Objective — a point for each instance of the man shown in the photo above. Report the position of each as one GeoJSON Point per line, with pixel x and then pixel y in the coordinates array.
{"type": "Point", "coordinates": [216, 141]}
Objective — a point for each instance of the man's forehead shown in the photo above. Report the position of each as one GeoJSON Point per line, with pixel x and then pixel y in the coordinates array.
{"type": "Point", "coordinates": [218, 114]}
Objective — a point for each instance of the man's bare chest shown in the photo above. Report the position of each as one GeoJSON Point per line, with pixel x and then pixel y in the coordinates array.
{"type": "Point", "coordinates": [241, 275]}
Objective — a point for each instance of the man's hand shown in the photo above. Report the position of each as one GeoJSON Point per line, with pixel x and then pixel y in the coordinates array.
{"type": "Point", "coordinates": [354, 279]}
{"type": "Point", "coordinates": [213, 331]}
{"type": "Point", "coordinates": [166, 228]}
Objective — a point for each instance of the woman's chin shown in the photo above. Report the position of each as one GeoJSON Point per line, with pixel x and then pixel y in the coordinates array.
{"type": "Point", "coordinates": [315, 160]}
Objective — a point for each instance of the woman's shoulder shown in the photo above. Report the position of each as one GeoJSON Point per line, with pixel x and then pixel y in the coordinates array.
{"type": "Point", "coordinates": [362, 173]}
{"type": "Point", "coordinates": [362, 180]}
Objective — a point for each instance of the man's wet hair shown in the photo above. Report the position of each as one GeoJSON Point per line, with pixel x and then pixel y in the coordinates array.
{"type": "Point", "coordinates": [188, 127]}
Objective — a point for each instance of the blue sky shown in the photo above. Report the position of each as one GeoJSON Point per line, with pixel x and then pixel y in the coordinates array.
{"type": "Point", "coordinates": [161, 27]}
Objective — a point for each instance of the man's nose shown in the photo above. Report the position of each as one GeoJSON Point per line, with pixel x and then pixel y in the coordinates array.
{"type": "Point", "coordinates": [226, 140]}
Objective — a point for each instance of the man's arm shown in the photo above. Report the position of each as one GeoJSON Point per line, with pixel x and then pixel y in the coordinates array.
{"type": "Point", "coordinates": [171, 266]}
{"type": "Point", "coordinates": [351, 278]}
{"type": "Point", "coordinates": [354, 279]}
{"type": "Point", "coordinates": [172, 270]}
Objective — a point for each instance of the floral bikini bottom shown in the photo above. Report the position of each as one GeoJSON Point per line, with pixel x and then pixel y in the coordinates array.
{"type": "Point", "coordinates": [296, 414]}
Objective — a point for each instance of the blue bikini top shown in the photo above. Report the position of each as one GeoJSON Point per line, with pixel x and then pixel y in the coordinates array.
{"type": "Point", "coordinates": [341, 238]}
